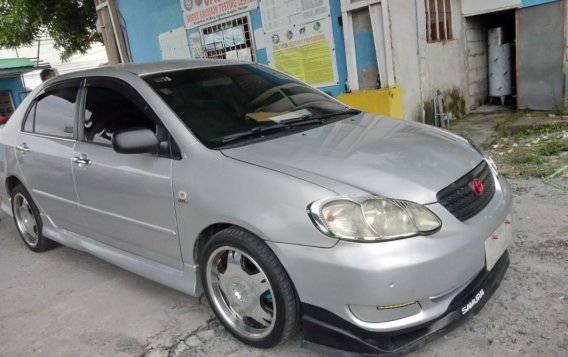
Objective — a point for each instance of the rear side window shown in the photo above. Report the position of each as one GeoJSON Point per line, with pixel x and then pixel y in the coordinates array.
{"type": "Point", "coordinates": [106, 111]}
{"type": "Point", "coordinates": [29, 122]}
{"type": "Point", "coordinates": [53, 113]}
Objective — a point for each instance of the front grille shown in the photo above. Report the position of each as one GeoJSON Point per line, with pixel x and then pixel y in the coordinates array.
{"type": "Point", "coordinates": [458, 197]}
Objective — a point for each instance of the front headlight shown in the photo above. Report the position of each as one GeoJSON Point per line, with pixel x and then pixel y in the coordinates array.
{"type": "Point", "coordinates": [372, 218]}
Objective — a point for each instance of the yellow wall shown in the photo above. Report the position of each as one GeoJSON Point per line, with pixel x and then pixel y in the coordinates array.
{"type": "Point", "coordinates": [386, 101]}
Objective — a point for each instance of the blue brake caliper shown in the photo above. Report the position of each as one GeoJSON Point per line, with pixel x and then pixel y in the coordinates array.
{"type": "Point", "coordinates": [267, 298]}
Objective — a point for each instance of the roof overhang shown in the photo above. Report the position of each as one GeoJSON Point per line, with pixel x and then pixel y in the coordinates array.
{"type": "Point", "coordinates": [12, 67]}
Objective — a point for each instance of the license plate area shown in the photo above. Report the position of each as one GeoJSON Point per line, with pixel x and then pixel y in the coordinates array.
{"type": "Point", "coordinates": [498, 242]}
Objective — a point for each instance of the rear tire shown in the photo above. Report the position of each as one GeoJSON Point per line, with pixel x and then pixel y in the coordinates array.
{"type": "Point", "coordinates": [248, 288]}
{"type": "Point", "coordinates": [28, 221]}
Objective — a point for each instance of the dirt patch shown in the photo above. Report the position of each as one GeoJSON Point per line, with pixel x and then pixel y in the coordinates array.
{"type": "Point", "coordinates": [537, 152]}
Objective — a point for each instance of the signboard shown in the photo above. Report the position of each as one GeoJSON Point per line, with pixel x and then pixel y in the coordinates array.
{"type": "Point", "coordinates": [299, 39]}
{"type": "Point", "coordinates": [199, 12]}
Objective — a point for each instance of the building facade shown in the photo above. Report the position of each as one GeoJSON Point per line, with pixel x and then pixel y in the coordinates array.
{"type": "Point", "coordinates": [385, 56]}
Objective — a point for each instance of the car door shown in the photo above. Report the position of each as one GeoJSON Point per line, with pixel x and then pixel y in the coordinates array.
{"type": "Point", "coordinates": [44, 150]}
{"type": "Point", "coordinates": [126, 199]}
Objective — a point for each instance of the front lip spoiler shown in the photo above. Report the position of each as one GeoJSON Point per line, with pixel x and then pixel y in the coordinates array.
{"type": "Point", "coordinates": [327, 333]}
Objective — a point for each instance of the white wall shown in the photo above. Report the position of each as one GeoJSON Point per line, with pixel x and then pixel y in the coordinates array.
{"type": "Point", "coordinates": [405, 55]}
{"type": "Point", "coordinates": [421, 69]}
{"type": "Point", "coordinates": [443, 62]}
{"type": "Point", "coordinates": [476, 7]}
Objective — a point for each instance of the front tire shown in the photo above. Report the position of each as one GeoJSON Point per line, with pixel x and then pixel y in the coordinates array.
{"type": "Point", "coordinates": [248, 289]}
{"type": "Point", "coordinates": [28, 220]}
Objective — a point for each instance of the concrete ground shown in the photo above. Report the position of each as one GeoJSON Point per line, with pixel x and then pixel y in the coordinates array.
{"type": "Point", "coordinates": [478, 127]}
{"type": "Point", "coordinates": [481, 126]}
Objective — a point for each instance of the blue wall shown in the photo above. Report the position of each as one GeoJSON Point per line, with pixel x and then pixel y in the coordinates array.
{"type": "Point", "coordinates": [256, 19]}
{"type": "Point", "coordinates": [527, 3]}
{"type": "Point", "coordinates": [15, 86]}
{"type": "Point", "coordinates": [145, 20]}
{"type": "Point", "coordinates": [335, 6]}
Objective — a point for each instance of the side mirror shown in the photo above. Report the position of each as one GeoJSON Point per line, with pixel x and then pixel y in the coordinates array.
{"type": "Point", "coordinates": [135, 141]}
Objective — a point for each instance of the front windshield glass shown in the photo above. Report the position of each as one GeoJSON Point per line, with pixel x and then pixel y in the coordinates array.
{"type": "Point", "coordinates": [222, 102]}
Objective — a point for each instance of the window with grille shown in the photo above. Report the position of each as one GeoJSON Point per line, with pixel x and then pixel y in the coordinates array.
{"type": "Point", "coordinates": [6, 104]}
{"type": "Point", "coordinates": [438, 20]}
{"type": "Point", "coordinates": [229, 40]}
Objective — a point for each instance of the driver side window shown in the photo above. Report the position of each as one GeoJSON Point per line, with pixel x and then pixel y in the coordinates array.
{"type": "Point", "coordinates": [107, 111]}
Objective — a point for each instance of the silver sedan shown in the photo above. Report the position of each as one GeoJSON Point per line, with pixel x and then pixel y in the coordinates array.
{"type": "Point", "coordinates": [278, 202]}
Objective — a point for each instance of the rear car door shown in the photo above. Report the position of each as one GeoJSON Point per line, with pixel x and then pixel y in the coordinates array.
{"type": "Point", "coordinates": [44, 150]}
{"type": "Point", "coordinates": [126, 199]}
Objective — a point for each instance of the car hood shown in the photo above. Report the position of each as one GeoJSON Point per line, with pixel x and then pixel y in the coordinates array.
{"type": "Point", "coordinates": [378, 155]}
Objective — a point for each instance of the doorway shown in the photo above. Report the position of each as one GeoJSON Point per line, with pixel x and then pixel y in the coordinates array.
{"type": "Point", "coordinates": [491, 62]}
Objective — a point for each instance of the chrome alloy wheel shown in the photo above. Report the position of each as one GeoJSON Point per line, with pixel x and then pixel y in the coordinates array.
{"type": "Point", "coordinates": [25, 219]}
{"type": "Point", "coordinates": [241, 292]}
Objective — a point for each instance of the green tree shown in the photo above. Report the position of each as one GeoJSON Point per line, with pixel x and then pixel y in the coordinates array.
{"type": "Point", "coordinates": [70, 23]}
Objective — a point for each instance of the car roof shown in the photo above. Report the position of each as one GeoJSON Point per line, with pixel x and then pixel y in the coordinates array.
{"type": "Point", "coordinates": [146, 68]}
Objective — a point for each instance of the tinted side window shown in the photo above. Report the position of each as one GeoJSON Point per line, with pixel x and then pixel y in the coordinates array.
{"type": "Point", "coordinates": [107, 111]}
{"type": "Point", "coordinates": [55, 113]}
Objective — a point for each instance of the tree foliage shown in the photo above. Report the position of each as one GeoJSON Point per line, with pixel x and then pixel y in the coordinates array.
{"type": "Point", "coordinates": [70, 23]}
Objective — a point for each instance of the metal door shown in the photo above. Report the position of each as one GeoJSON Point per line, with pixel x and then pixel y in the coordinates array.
{"type": "Point", "coordinates": [127, 199]}
{"type": "Point", "coordinates": [44, 151]}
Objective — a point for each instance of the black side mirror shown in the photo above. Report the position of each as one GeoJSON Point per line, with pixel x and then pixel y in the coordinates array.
{"type": "Point", "coordinates": [135, 141]}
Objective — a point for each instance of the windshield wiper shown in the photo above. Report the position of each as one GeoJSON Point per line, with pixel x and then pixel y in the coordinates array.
{"type": "Point", "coordinates": [262, 129]}
{"type": "Point", "coordinates": [253, 131]}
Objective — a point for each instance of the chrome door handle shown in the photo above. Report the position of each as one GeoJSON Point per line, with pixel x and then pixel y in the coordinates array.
{"type": "Point", "coordinates": [81, 160]}
{"type": "Point", "coordinates": [23, 147]}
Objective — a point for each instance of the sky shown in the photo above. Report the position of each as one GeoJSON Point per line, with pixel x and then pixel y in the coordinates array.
{"type": "Point", "coordinates": [92, 59]}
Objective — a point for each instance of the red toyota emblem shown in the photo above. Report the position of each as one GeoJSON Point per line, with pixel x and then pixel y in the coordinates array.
{"type": "Point", "coordinates": [477, 187]}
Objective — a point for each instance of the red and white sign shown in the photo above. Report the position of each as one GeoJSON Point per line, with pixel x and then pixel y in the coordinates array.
{"type": "Point", "coordinates": [199, 12]}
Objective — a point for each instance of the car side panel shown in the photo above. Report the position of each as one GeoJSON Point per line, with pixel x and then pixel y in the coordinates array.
{"type": "Point", "coordinates": [46, 169]}
{"type": "Point", "coordinates": [224, 190]}
{"type": "Point", "coordinates": [127, 202]}
{"type": "Point", "coordinates": [9, 135]}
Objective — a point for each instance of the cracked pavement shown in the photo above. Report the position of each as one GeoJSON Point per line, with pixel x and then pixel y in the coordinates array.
{"type": "Point", "coordinates": [68, 303]}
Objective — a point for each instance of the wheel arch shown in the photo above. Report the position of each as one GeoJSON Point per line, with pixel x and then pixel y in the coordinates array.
{"type": "Point", "coordinates": [11, 183]}
{"type": "Point", "coordinates": [206, 234]}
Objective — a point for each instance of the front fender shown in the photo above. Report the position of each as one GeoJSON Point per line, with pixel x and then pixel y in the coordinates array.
{"type": "Point", "coordinates": [267, 203]}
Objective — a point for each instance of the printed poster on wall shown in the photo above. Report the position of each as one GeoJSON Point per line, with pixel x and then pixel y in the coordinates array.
{"type": "Point", "coordinates": [304, 51]}
{"type": "Point", "coordinates": [199, 12]}
{"type": "Point", "coordinates": [277, 14]}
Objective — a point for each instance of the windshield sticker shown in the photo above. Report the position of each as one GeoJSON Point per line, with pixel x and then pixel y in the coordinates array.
{"type": "Point", "coordinates": [278, 117]}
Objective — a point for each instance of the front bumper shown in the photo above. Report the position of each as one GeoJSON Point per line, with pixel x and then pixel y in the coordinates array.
{"type": "Point", "coordinates": [328, 333]}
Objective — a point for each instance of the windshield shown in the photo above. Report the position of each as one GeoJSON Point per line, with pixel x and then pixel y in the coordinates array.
{"type": "Point", "coordinates": [217, 103]}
